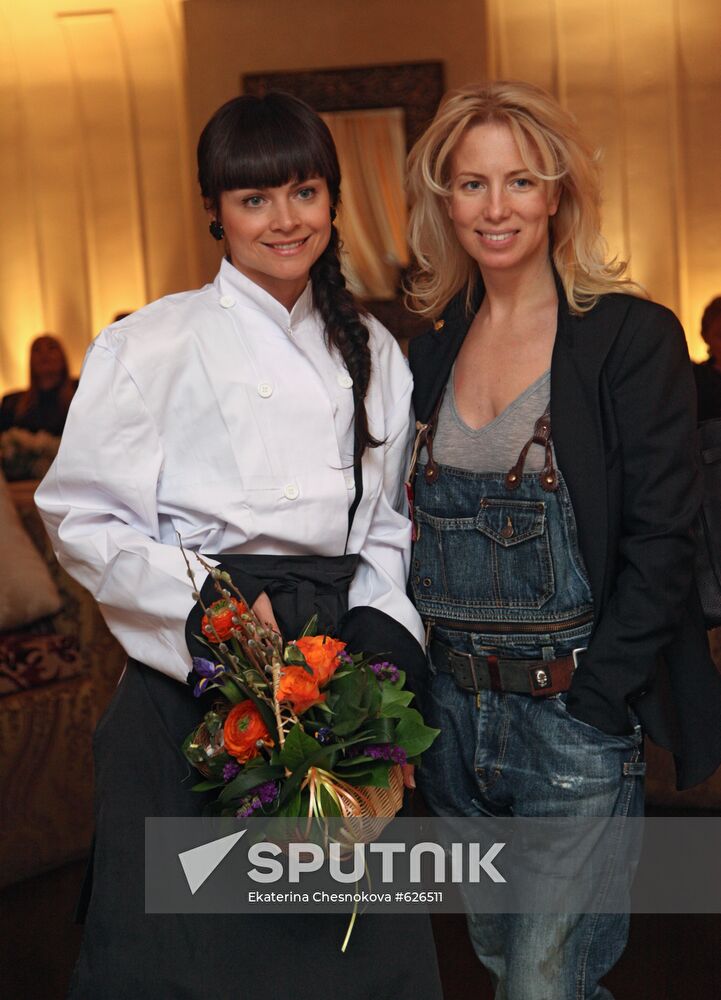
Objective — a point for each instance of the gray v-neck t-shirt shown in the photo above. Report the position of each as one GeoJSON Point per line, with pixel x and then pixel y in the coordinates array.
{"type": "Point", "coordinates": [496, 446]}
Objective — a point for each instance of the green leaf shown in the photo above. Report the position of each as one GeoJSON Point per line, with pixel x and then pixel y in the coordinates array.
{"type": "Point", "coordinates": [351, 724]}
{"type": "Point", "coordinates": [392, 699]}
{"type": "Point", "coordinates": [232, 688]}
{"type": "Point", "coordinates": [376, 776]}
{"type": "Point", "coordinates": [298, 748]}
{"type": "Point", "coordinates": [353, 698]}
{"type": "Point", "coordinates": [248, 778]}
{"type": "Point", "coordinates": [292, 807]}
{"type": "Point", "coordinates": [413, 734]}
{"type": "Point", "coordinates": [207, 786]}
{"type": "Point", "coordinates": [292, 657]}
{"type": "Point", "coordinates": [310, 627]}
{"type": "Point", "coordinates": [380, 731]}
{"type": "Point", "coordinates": [351, 762]}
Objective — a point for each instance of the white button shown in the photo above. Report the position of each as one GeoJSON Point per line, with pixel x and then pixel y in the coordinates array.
{"type": "Point", "coordinates": [350, 482]}
{"type": "Point", "coordinates": [265, 389]}
{"type": "Point", "coordinates": [290, 331]}
{"type": "Point", "coordinates": [344, 380]}
{"type": "Point", "coordinates": [291, 492]}
{"type": "Point", "coordinates": [227, 301]}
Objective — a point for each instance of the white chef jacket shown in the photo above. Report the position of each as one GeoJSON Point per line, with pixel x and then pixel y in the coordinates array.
{"type": "Point", "coordinates": [218, 416]}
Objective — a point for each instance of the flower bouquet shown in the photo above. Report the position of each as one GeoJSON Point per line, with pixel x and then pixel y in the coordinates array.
{"type": "Point", "coordinates": [304, 728]}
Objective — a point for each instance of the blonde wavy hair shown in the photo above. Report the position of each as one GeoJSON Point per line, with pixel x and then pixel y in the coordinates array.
{"type": "Point", "coordinates": [553, 149]}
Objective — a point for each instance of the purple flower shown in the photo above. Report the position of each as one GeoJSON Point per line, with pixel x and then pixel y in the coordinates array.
{"type": "Point", "coordinates": [231, 770]}
{"type": "Point", "coordinates": [208, 673]}
{"type": "Point", "coordinates": [386, 671]}
{"type": "Point", "coordinates": [345, 659]}
{"type": "Point", "coordinates": [380, 751]}
{"type": "Point", "coordinates": [262, 795]}
{"type": "Point", "coordinates": [324, 735]}
{"type": "Point", "coordinates": [204, 668]}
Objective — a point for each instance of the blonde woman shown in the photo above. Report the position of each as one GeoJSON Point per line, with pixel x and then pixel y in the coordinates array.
{"type": "Point", "coordinates": [554, 499]}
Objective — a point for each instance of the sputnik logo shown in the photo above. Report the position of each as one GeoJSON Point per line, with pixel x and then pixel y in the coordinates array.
{"type": "Point", "coordinates": [199, 863]}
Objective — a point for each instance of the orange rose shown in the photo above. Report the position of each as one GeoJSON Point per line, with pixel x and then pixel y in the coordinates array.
{"type": "Point", "coordinates": [218, 623]}
{"type": "Point", "coordinates": [299, 689]}
{"type": "Point", "coordinates": [321, 655]}
{"type": "Point", "coordinates": [243, 728]}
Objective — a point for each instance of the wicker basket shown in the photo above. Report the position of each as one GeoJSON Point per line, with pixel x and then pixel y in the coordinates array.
{"type": "Point", "coordinates": [211, 745]}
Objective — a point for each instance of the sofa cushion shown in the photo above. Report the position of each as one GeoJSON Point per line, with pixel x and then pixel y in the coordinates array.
{"type": "Point", "coordinates": [29, 660]}
{"type": "Point", "coordinates": [27, 591]}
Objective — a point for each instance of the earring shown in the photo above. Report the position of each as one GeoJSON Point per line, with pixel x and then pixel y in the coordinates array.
{"type": "Point", "coordinates": [333, 214]}
{"type": "Point", "coordinates": [216, 230]}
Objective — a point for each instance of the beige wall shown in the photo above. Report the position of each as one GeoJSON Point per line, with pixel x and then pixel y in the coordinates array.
{"type": "Point", "coordinates": [95, 189]}
{"type": "Point", "coordinates": [99, 114]}
{"type": "Point", "coordinates": [644, 79]}
{"type": "Point", "coordinates": [227, 38]}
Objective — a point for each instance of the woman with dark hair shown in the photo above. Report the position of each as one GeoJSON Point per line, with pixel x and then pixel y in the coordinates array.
{"type": "Point", "coordinates": [554, 501]}
{"type": "Point", "coordinates": [265, 421]}
{"type": "Point", "coordinates": [43, 406]}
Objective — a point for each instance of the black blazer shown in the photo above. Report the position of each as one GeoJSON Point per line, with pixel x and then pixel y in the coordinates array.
{"type": "Point", "coordinates": [623, 422]}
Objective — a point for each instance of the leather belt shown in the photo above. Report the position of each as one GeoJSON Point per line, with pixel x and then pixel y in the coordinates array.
{"type": "Point", "coordinates": [539, 678]}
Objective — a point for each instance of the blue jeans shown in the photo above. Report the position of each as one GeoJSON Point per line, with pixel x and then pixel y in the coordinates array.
{"type": "Point", "coordinates": [524, 756]}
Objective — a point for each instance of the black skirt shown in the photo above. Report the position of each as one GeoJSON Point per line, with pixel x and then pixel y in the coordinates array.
{"type": "Point", "coordinates": [127, 954]}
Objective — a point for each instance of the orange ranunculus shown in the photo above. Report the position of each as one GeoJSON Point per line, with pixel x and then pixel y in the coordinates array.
{"type": "Point", "coordinates": [221, 614]}
{"type": "Point", "coordinates": [299, 689]}
{"type": "Point", "coordinates": [321, 655]}
{"type": "Point", "coordinates": [243, 728]}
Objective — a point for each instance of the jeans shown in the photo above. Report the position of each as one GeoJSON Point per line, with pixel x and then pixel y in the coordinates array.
{"type": "Point", "coordinates": [524, 756]}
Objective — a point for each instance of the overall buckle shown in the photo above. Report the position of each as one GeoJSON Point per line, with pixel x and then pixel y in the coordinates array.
{"type": "Point", "coordinates": [575, 653]}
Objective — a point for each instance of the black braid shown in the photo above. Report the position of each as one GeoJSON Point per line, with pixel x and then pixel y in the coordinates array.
{"type": "Point", "coordinates": [345, 330]}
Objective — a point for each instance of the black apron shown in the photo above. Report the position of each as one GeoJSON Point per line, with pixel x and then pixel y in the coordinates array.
{"type": "Point", "coordinates": [140, 771]}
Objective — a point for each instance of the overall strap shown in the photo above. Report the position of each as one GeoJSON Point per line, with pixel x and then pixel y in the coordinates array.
{"type": "Point", "coordinates": [424, 437]}
{"type": "Point", "coordinates": [548, 477]}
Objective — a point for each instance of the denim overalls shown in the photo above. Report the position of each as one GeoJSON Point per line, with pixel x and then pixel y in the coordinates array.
{"type": "Point", "coordinates": [496, 561]}
{"type": "Point", "coordinates": [497, 569]}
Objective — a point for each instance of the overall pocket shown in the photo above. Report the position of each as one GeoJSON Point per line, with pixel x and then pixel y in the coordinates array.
{"type": "Point", "coordinates": [501, 557]}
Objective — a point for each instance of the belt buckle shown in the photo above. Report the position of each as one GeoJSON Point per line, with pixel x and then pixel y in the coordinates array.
{"type": "Point", "coordinates": [575, 653]}
{"type": "Point", "coordinates": [471, 666]}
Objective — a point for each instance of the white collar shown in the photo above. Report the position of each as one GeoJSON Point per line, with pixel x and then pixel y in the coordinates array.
{"type": "Point", "coordinates": [230, 282]}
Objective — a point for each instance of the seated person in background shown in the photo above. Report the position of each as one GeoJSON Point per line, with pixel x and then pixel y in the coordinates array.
{"type": "Point", "coordinates": [44, 405]}
{"type": "Point", "coordinates": [31, 421]}
{"type": "Point", "coordinates": [708, 373]}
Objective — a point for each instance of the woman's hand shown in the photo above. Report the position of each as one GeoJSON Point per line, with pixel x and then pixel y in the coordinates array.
{"type": "Point", "coordinates": [264, 611]}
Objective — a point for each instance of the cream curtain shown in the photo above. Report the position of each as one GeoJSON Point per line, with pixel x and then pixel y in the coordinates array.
{"type": "Point", "coordinates": [643, 79]}
{"type": "Point", "coordinates": [372, 215]}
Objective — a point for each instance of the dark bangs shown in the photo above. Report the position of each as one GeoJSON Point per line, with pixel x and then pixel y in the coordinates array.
{"type": "Point", "coordinates": [259, 142]}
